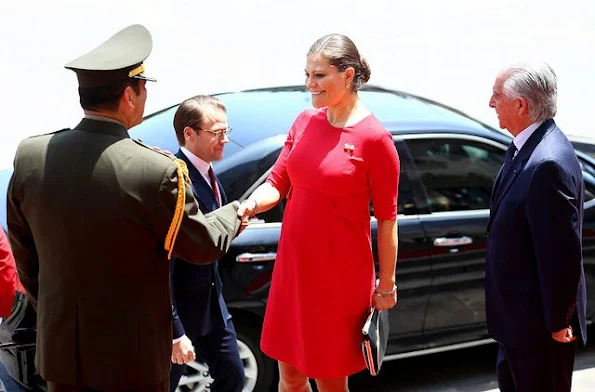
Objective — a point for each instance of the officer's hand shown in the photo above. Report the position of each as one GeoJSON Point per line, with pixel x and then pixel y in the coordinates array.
{"type": "Point", "coordinates": [182, 352]}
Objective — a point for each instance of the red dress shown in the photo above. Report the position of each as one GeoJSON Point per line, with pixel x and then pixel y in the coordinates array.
{"type": "Point", "coordinates": [324, 276]}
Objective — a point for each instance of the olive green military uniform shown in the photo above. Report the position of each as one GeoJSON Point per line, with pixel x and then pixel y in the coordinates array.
{"type": "Point", "coordinates": [89, 210]}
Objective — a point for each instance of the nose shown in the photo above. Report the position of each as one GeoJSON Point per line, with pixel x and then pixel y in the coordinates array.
{"type": "Point", "coordinates": [492, 104]}
{"type": "Point", "coordinates": [225, 139]}
{"type": "Point", "coordinates": [310, 82]}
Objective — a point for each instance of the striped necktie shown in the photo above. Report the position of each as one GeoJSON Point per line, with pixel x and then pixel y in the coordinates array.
{"type": "Point", "coordinates": [508, 159]}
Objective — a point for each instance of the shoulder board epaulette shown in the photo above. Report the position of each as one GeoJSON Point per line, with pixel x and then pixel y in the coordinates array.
{"type": "Point", "coordinates": [156, 149]}
{"type": "Point", "coordinates": [51, 133]}
{"type": "Point", "coordinates": [183, 178]}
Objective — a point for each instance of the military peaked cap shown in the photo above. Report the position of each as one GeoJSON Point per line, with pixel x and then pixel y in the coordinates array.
{"type": "Point", "coordinates": [117, 59]}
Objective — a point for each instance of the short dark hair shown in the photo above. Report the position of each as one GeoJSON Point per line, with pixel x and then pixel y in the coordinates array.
{"type": "Point", "coordinates": [342, 53]}
{"type": "Point", "coordinates": [190, 114]}
{"type": "Point", "coordinates": [106, 97]}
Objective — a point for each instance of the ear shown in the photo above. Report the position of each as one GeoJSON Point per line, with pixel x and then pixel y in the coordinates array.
{"type": "Point", "coordinates": [187, 132]}
{"type": "Point", "coordinates": [522, 106]}
{"type": "Point", "coordinates": [349, 74]}
{"type": "Point", "coordinates": [128, 99]}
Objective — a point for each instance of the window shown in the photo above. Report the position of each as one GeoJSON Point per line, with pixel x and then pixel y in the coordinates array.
{"type": "Point", "coordinates": [458, 174]}
{"type": "Point", "coordinates": [243, 172]}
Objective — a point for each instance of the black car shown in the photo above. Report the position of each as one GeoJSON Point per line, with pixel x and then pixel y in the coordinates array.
{"type": "Point", "coordinates": [448, 165]}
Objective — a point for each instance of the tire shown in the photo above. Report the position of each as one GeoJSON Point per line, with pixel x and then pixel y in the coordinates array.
{"type": "Point", "coordinates": [260, 371]}
{"type": "Point", "coordinates": [266, 368]}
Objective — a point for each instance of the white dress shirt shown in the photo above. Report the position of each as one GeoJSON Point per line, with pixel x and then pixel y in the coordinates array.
{"type": "Point", "coordinates": [520, 139]}
{"type": "Point", "coordinates": [202, 167]}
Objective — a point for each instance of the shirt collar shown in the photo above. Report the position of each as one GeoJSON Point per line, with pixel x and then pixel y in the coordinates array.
{"type": "Point", "coordinates": [525, 134]}
{"type": "Point", "coordinates": [199, 164]}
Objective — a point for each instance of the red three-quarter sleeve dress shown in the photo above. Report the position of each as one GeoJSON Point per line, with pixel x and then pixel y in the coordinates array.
{"type": "Point", "coordinates": [324, 276]}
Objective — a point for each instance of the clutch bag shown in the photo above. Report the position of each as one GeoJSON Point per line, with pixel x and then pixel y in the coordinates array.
{"type": "Point", "coordinates": [375, 339]}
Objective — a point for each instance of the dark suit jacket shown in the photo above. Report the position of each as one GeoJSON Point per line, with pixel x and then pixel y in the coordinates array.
{"type": "Point", "coordinates": [535, 283]}
{"type": "Point", "coordinates": [88, 214]}
{"type": "Point", "coordinates": [197, 289]}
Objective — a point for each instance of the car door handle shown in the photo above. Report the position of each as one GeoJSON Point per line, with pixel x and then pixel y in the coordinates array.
{"type": "Point", "coordinates": [458, 241]}
{"type": "Point", "coordinates": [256, 257]}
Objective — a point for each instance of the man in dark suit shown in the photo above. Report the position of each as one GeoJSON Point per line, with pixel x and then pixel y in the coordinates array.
{"type": "Point", "coordinates": [535, 284]}
{"type": "Point", "coordinates": [93, 217]}
{"type": "Point", "coordinates": [200, 316]}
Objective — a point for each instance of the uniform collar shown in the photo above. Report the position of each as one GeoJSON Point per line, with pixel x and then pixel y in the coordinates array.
{"type": "Point", "coordinates": [103, 118]}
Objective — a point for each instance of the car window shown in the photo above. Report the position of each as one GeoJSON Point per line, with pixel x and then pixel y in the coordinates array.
{"type": "Point", "coordinates": [587, 148]}
{"type": "Point", "coordinates": [240, 171]}
{"type": "Point", "coordinates": [588, 168]}
{"type": "Point", "coordinates": [458, 174]}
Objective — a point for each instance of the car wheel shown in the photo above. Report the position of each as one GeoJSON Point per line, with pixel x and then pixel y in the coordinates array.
{"type": "Point", "coordinates": [259, 370]}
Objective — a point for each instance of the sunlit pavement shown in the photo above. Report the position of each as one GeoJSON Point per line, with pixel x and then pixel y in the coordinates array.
{"type": "Point", "coordinates": [469, 370]}
{"type": "Point", "coordinates": [582, 381]}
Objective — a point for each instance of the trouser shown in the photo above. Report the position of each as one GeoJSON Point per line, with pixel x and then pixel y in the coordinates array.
{"type": "Point", "coordinates": [219, 350]}
{"type": "Point", "coordinates": [163, 386]}
{"type": "Point", "coordinates": [545, 368]}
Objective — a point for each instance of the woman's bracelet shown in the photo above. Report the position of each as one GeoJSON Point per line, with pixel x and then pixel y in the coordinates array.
{"type": "Point", "coordinates": [385, 294]}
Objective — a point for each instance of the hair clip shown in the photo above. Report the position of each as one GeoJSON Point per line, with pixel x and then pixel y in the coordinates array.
{"type": "Point", "coordinates": [349, 148]}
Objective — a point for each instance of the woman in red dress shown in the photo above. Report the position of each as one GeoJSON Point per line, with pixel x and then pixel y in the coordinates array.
{"type": "Point", "coordinates": [336, 158]}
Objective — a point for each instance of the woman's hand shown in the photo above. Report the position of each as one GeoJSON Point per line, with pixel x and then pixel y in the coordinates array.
{"type": "Point", "coordinates": [384, 300]}
{"type": "Point", "coordinates": [247, 209]}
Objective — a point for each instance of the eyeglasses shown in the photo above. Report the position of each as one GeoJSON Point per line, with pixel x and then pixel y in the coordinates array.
{"type": "Point", "coordinates": [218, 133]}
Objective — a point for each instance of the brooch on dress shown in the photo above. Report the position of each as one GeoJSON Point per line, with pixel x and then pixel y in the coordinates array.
{"type": "Point", "coordinates": [348, 148]}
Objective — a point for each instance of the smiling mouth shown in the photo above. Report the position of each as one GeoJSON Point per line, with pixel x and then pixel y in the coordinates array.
{"type": "Point", "coordinates": [316, 92]}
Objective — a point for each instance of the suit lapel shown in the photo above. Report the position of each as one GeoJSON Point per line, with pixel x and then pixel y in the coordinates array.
{"type": "Point", "coordinates": [503, 184]}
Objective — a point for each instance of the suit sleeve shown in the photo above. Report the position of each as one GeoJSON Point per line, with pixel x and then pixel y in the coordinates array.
{"type": "Point", "coordinates": [178, 327]}
{"type": "Point", "coordinates": [21, 240]}
{"type": "Point", "coordinates": [202, 239]}
{"type": "Point", "coordinates": [555, 221]}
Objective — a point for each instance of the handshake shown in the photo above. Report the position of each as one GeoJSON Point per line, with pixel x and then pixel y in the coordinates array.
{"type": "Point", "coordinates": [248, 208]}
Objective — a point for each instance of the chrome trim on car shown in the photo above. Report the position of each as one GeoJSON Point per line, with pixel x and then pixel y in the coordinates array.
{"type": "Point", "coordinates": [453, 136]}
{"type": "Point", "coordinates": [459, 241]}
{"type": "Point", "coordinates": [439, 215]}
{"type": "Point", "coordinates": [435, 350]}
{"type": "Point", "coordinates": [256, 257]}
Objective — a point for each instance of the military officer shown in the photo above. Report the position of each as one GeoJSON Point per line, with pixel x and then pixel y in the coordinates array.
{"type": "Point", "coordinates": [93, 218]}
